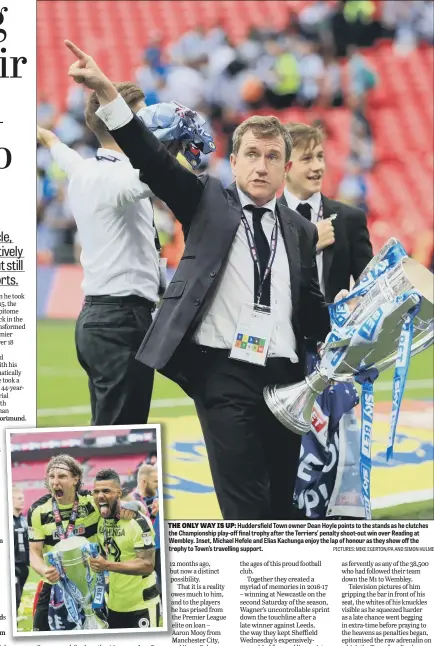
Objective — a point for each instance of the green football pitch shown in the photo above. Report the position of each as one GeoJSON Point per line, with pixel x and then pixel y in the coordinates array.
{"type": "Point", "coordinates": [63, 401]}
{"type": "Point", "coordinates": [63, 398]}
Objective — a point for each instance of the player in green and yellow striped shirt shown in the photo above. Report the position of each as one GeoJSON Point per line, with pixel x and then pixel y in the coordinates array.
{"type": "Point", "coordinates": [133, 599]}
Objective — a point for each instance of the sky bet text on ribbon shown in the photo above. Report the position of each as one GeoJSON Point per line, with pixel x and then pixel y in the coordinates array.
{"type": "Point", "coordinates": [9, 68]}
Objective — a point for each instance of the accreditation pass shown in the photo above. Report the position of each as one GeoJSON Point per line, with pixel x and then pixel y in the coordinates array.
{"type": "Point", "coordinates": [252, 334]}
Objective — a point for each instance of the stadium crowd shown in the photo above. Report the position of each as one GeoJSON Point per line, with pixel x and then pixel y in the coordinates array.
{"type": "Point", "coordinates": [316, 60]}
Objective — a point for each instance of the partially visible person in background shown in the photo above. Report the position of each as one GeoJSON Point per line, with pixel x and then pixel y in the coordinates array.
{"type": "Point", "coordinates": [120, 249]}
{"type": "Point", "coordinates": [408, 22]}
{"type": "Point", "coordinates": [343, 251]}
{"type": "Point", "coordinates": [362, 147]}
{"type": "Point", "coordinates": [343, 248]}
{"type": "Point", "coordinates": [353, 188]}
{"type": "Point", "coordinates": [21, 543]}
{"type": "Point", "coordinates": [114, 217]}
{"type": "Point", "coordinates": [146, 491]}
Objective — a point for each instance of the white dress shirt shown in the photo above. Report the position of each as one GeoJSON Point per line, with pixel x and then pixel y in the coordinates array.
{"type": "Point", "coordinates": [315, 205]}
{"type": "Point", "coordinates": [114, 217]}
{"type": "Point", "coordinates": [236, 286]}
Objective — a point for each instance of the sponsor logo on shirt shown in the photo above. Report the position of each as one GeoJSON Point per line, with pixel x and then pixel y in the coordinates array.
{"type": "Point", "coordinates": [147, 538]}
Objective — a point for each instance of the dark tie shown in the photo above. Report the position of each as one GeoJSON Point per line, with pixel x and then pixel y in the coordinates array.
{"type": "Point", "coordinates": [305, 210]}
{"type": "Point", "coordinates": [263, 250]}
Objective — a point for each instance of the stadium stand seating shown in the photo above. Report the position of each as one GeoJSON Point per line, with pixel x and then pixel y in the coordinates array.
{"type": "Point", "coordinates": [31, 495]}
{"type": "Point", "coordinates": [31, 438]}
{"type": "Point", "coordinates": [30, 471]}
{"type": "Point", "coordinates": [400, 185]}
{"type": "Point", "coordinates": [124, 465]}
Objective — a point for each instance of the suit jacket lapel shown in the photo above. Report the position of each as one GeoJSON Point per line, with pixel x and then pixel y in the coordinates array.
{"type": "Point", "coordinates": [282, 200]}
{"type": "Point", "coordinates": [235, 210]}
{"type": "Point", "coordinates": [290, 238]}
{"type": "Point", "coordinates": [328, 252]}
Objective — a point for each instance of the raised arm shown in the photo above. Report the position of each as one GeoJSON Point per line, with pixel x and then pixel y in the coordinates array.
{"type": "Point", "coordinates": [167, 179]}
{"type": "Point", "coordinates": [68, 160]}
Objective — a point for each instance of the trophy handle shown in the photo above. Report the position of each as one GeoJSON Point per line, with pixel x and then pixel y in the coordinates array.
{"type": "Point", "coordinates": [293, 405]}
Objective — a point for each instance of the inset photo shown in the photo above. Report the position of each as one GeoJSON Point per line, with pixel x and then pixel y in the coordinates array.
{"type": "Point", "coordinates": [85, 517]}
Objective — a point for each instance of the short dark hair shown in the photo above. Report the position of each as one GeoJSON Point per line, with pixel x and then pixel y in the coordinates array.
{"type": "Point", "coordinates": [108, 474]}
{"type": "Point", "coordinates": [130, 92]}
{"type": "Point", "coordinates": [262, 127]}
{"type": "Point", "coordinates": [64, 461]}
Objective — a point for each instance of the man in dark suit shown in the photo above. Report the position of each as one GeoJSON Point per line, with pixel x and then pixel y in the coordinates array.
{"type": "Point", "coordinates": [343, 251]}
{"type": "Point", "coordinates": [241, 248]}
{"type": "Point", "coordinates": [343, 247]}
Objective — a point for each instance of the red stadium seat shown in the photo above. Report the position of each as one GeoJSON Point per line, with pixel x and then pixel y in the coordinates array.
{"type": "Point", "coordinates": [31, 495]}
{"type": "Point", "coordinates": [400, 109]}
{"type": "Point", "coordinates": [29, 472]}
{"type": "Point", "coordinates": [124, 465]}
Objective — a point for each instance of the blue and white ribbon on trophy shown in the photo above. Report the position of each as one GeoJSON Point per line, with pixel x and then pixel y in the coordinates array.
{"type": "Point", "coordinates": [369, 331]}
{"type": "Point", "coordinates": [66, 593]}
{"type": "Point", "coordinates": [71, 594]}
{"type": "Point", "coordinates": [91, 550]}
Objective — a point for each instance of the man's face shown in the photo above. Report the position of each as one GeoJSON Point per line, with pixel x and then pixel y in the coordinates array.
{"type": "Point", "coordinates": [107, 494]}
{"type": "Point", "coordinates": [306, 174]}
{"type": "Point", "coordinates": [259, 166]}
{"type": "Point", "coordinates": [18, 501]}
{"type": "Point", "coordinates": [62, 484]}
{"type": "Point", "coordinates": [150, 484]}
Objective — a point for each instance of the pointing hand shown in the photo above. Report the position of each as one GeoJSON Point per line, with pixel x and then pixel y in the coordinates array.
{"type": "Point", "coordinates": [87, 72]}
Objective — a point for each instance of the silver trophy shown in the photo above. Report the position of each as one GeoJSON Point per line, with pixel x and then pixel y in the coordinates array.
{"type": "Point", "coordinates": [80, 585]}
{"type": "Point", "coordinates": [391, 286]}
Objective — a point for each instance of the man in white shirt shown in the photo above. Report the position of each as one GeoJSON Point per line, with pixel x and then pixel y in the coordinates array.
{"type": "Point", "coordinates": [114, 217]}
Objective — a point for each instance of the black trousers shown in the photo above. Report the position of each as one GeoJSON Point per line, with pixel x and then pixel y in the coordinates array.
{"type": "Point", "coordinates": [253, 458]}
{"type": "Point", "coordinates": [108, 333]}
{"type": "Point", "coordinates": [146, 618]}
{"type": "Point", "coordinates": [21, 574]}
{"type": "Point", "coordinates": [40, 618]}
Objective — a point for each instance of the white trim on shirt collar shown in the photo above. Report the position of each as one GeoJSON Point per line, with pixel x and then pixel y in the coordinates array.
{"type": "Point", "coordinates": [111, 153]}
{"type": "Point", "coordinates": [314, 201]}
{"type": "Point", "coordinates": [246, 200]}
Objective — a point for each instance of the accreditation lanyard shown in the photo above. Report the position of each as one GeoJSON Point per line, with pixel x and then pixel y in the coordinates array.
{"type": "Point", "coordinates": [254, 254]}
{"type": "Point", "coordinates": [58, 520]}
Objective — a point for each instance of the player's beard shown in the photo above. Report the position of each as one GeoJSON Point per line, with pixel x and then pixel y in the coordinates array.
{"type": "Point", "coordinates": [109, 511]}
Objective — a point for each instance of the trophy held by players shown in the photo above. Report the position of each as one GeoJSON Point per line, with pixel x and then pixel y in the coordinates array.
{"type": "Point", "coordinates": [83, 589]}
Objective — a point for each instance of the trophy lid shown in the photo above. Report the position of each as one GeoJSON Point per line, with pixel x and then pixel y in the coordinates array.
{"type": "Point", "coordinates": [71, 543]}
